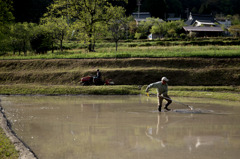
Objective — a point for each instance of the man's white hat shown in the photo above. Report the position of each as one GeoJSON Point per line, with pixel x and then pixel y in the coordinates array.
{"type": "Point", "coordinates": [165, 79]}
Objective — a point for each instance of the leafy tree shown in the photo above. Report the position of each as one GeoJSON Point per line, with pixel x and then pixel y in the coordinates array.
{"type": "Point", "coordinates": [132, 26]}
{"type": "Point", "coordinates": [6, 15]}
{"type": "Point", "coordinates": [174, 28]}
{"type": "Point", "coordinates": [20, 37]}
{"type": "Point", "coordinates": [235, 19]}
{"type": "Point", "coordinates": [235, 30]}
{"type": "Point", "coordinates": [41, 42]}
{"type": "Point", "coordinates": [6, 18]}
{"type": "Point", "coordinates": [159, 28]}
{"type": "Point", "coordinates": [57, 29]}
{"type": "Point", "coordinates": [87, 13]}
{"type": "Point", "coordinates": [144, 27]}
{"type": "Point", "coordinates": [118, 25]}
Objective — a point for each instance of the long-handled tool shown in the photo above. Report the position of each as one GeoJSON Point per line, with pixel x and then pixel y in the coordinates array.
{"type": "Point", "coordinates": [191, 107]}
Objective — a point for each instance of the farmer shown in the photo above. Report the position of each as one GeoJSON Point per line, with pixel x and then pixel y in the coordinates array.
{"type": "Point", "coordinates": [162, 90]}
{"type": "Point", "coordinates": [97, 79]}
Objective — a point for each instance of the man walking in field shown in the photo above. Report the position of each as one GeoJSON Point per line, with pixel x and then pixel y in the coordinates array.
{"type": "Point", "coordinates": [162, 92]}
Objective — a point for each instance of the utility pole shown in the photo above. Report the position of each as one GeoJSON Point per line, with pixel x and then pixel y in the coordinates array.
{"type": "Point", "coordinates": [187, 11]}
{"type": "Point", "coordinates": [139, 4]}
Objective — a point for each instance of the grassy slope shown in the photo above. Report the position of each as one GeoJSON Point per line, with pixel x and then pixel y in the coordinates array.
{"type": "Point", "coordinates": [142, 51]}
{"type": "Point", "coordinates": [62, 76]}
{"type": "Point", "coordinates": [217, 92]}
{"type": "Point", "coordinates": [7, 149]}
{"type": "Point", "coordinates": [130, 71]}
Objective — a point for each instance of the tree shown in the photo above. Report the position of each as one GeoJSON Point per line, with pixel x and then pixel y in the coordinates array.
{"type": "Point", "coordinates": [118, 25]}
{"type": "Point", "coordinates": [144, 27]}
{"type": "Point", "coordinates": [57, 29]}
{"type": "Point", "coordinates": [132, 26]}
{"type": "Point", "coordinates": [235, 19]}
{"type": "Point", "coordinates": [174, 28]}
{"type": "Point", "coordinates": [40, 41]}
{"type": "Point", "coordinates": [159, 27]}
{"type": "Point", "coordinates": [20, 37]}
{"type": "Point", "coordinates": [87, 13]}
{"type": "Point", "coordinates": [6, 15]}
{"type": "Point", "coordinates": [235, 30]}
{"type": "Point", "coordinates": [6, 18]}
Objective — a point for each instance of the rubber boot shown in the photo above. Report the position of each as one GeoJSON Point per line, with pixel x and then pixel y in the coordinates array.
{"type": "Point", "coordinates": [166, 106]}
{"type": "Point", "coordinates": [159, 108]}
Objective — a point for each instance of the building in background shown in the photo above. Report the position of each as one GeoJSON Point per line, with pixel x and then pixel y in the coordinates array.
{"type": "Point", "coordinates": [203, 25]}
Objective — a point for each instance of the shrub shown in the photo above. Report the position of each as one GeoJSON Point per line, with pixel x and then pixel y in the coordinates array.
{"type": "Point", "coordinates": [183, 36]}
{"type": "Point", "coordinates": [41, 43]}
{"type": "Point", "coordinates": [132, 45]}
{"type": "Point", "coordinates": [145, 44]}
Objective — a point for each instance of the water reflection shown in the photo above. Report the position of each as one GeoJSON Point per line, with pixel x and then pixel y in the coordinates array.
{"type": "Point", "coordinates": [122, 127]}
{"type": "Point", "coordinates": [155, 135]}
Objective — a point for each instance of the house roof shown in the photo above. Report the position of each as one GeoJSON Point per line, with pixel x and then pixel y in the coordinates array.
{"type": "Point", "coordinates": [202, 29]}
{"type": "Point", "coordinates": [203, 18]}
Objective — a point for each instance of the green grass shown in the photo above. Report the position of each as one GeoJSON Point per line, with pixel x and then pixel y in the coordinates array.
{"type": "Point", "coordinates": [140, 52]}
{"type": "Point", "coordinates": [206, 88]}
{"type": "Point", "coordinates": [7, 149]}
{"type": "Point", "coordinates": [203, 94]}
{"type": "Point", "coordinates": [216, 92]}
{"type": "Point", "coordinates": [26, 89]}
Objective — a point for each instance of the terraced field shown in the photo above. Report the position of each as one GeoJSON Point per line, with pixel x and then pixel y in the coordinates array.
{"type": "Point", "coordinates": [124, 71]}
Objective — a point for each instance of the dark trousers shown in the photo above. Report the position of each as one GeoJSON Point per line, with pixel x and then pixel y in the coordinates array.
{"type": "Point", "coordinates": [160, 100]}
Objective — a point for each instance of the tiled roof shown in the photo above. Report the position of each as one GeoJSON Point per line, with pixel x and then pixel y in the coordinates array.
{"type": "Point", "coordinates": [193, 17]}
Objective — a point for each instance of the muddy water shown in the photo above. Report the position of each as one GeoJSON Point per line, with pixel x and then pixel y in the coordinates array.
{"type": "Point", "coordinates": [124, 127]}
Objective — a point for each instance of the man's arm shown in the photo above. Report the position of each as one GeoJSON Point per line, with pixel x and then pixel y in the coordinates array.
{"type": "Point", "coordinates": [152, 85]}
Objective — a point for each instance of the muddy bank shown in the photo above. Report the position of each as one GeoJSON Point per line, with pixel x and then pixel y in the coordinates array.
{"type": "Point", "coordinates": [181, 71]}
{"type": "Point", "coordinates": [22, 148]}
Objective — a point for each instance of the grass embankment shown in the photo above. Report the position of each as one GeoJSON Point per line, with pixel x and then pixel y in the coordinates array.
{"type": "Point", "coordinates": [129, 71]}
{"type": "Point", "coordinates": [216, 92]}
{"type": "Point", "coordinates": [183, 65]}
{"type": "Point", "coordinates": [138, 51]}
{"type": "Point", "coordinates": [7, 149]}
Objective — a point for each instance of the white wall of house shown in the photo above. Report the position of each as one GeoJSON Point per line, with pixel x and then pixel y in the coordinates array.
{"type": "Point", "coordinates": [206, 24]}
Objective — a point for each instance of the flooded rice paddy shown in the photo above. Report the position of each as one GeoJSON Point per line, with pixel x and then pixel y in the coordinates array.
{"type": "Point", "coordinates": [124, 127]}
